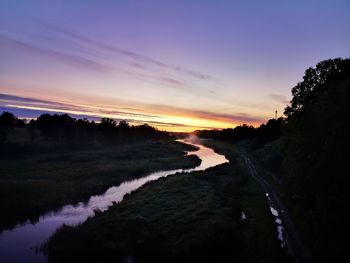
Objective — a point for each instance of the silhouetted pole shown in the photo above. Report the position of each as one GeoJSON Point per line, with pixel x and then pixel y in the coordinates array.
{"type": "Point", "coordinates": [275, 114]}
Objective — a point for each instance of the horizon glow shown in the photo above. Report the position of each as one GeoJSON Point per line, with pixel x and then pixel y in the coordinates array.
{"type": "Point", "coordinates": [176, 65]}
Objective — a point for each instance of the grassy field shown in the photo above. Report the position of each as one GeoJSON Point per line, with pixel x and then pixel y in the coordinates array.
{"type": "Point", "coordinates": [34, 182]}
{"type": "Point", "coordinates": [183, 218]}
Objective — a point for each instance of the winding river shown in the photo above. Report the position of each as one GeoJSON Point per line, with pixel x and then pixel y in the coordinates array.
{"type": "Point", "coordinates": [21, 243]}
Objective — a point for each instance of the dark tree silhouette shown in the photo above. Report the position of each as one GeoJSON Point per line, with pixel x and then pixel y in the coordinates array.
{"type": "Point", "coordinates": [107, 124]}
{"type": "Point", "coordinates": [9, 120]}
{"type": "Point", "coordinates": [71, 132]}
{"type": "Point", "coordinates": [57, 127]}
{"type": "Point", "coordinates": [316, 157]}
{"type": "Point", "coordinates": [265, 132]}
{"type": "Point", "coordinates": [317, 81]}
{"type": "Point", "coordinates": [123, 125]}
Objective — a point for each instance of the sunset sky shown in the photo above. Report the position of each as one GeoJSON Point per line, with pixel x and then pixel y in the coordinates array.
{"type": "Point", "coordinates": [177, 65]}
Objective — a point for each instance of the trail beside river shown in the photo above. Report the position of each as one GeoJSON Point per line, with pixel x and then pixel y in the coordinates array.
{"type": "Point", "coordinates": [295, 245]}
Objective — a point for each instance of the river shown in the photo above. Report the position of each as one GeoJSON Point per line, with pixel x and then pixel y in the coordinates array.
{"type": "Point", "coordinates": [21, 243]}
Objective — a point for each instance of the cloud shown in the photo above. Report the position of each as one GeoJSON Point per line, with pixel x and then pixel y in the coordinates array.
{"type": "Point", "coordinates": [147, 60]}
{"type": "Point", "coordinates": [279, 98]}
{"type": "Point", "coordinates": [27, 107]}
{"type": "Point", "coordinates": [42, 105]}
{"type": "Point", "coordinates": [137, 65]}
{"type": "Point", "coordinates": [233, 118]}
{"type": "Point", "coordinates": [74, 60]}
{"type": "Point", "coordinates": [7, 97]}
{"type": "Point", "coordinates": [59, 44]}
{"type": "Point", "coordinates": [171, 81]}
{"type": "Point", "coordinates": [139, 59]}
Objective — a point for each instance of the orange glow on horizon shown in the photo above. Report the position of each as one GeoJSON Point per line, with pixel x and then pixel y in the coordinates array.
{"type": "Point", "coordinates": [171, 122]}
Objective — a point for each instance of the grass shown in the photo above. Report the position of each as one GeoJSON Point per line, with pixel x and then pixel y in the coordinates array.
{"type": "Point", "coordinates": [34, 183]}
{"type": "Point", "coordinates": [256, 203]}
{"type": "Point", "coordinates": [182, 218]}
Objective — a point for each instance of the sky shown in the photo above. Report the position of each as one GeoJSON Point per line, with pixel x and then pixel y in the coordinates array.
{"type": "Point", "coordinates": [177, 65]}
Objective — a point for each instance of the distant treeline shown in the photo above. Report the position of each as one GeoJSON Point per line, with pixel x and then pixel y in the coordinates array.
{"type": "Point", "coordinates": [265, 132]}
{"type": "Point", "coordinates": [63, 128]}
{"type": "Point", "coordinates": [319, 82]}
{"type": "Point", "coordinates": [314, 148]}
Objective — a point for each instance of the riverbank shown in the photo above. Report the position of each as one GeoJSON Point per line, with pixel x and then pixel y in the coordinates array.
{"type": "Point", "coordinates": [32, 184]}
{"type": "Point", "coordinates": [272, 184]}
{"type": "Point", "coordinates": [175, 220]}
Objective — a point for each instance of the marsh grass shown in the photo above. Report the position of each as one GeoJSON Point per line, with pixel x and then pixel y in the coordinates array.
{"type": "Point", "coordinates": [182, 218]}
{"type": "Point", "coordinates": [38, 182]}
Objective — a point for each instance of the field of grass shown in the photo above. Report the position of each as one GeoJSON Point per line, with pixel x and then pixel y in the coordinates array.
{"type": "Point", "coordinates": [182, 218]}
{"type": "Point", "coordinates": [35, 182]}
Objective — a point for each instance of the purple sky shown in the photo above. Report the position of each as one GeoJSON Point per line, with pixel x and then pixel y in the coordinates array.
{"type": "Point", "coordinates": [173, 63]}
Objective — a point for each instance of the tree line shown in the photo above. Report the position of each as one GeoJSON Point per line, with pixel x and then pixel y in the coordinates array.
{"type": "Point", "coordinates": [265, 132]}
{"type": "Point", "coordinates": [66, 129]}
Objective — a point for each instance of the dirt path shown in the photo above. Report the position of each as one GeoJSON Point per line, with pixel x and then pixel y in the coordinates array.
{"type": "Point", "coordinates": [295, 245]}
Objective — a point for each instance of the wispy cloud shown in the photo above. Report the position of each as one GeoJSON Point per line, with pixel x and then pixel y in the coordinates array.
{"type": "Point", "coordinates": [74, 60]}
{"type": "Point", "coordinates": [232, 118]}
{"type": "Point", "coordinates": [171, 81]}
{"type": "Point", "coordinates": [279, 98]}
{"type": "Point", "coordinates": [7, 97]}
{"type": "Point", "coordinates": [159, 114]}
{"type": "Point", "coordinates": [91, 63]}
{"type": "Point", "coordinates": [32, 103]}
{"type": "Point", "coordinates": [62, 45]}
{"type": "Point", "coordinates": [139, 59]}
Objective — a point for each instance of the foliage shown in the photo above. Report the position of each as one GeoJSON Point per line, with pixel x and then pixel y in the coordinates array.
{"type": "Point", "coordinates": [264, 133]}
{"type": "Point", "coordinates": [316, 157]}
{"type": "Point", "coordinates": [9, 120]}
{"type": "Point", "coordinates": [65, 128]}
{"type": "Point", "coordinates": [62, 132]}
{"type": "Point", "coordinates": [317, 81]}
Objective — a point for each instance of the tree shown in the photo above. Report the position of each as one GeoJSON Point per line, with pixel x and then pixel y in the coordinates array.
{"type": "Point", "coordinates": [107, 124]}
{"type": "Point", "coordinates": [317, 81]}
{"type": "Point", "coordinates": [123, 125]}
{"type": "Point", "coordinates": [56, 126]}
{"type": "Point", "coordinates": [7, 119]}
{"type": "Point", "coordinates": [316, 158]}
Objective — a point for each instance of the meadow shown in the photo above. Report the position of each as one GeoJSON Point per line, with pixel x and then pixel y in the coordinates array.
{"type": "Point", "coordinates": [46, 175]}
{"type": "Point", "coordinates": [194, 217]}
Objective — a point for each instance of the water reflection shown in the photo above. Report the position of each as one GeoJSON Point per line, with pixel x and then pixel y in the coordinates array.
{"type": "Point", "coordinates": [20, 243]}
{"type": "Point", "coordinates": [243, 216]}
{"type": "Point", "coordinates": [280, 229]}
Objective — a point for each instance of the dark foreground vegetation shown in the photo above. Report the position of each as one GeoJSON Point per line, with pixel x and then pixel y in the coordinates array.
{"type": "Point", "coordinates": [57, 160]}
{"type": "Point", "coordinates": [184, 218]}
{"type": "Point", "coordinates": [306, 155]}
